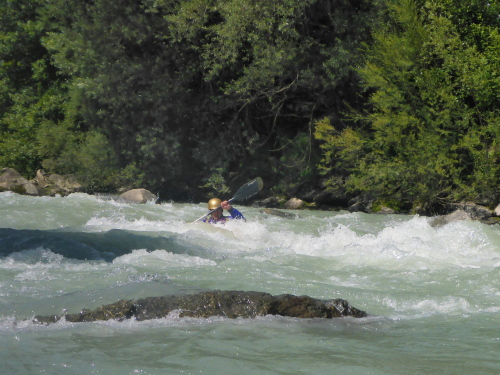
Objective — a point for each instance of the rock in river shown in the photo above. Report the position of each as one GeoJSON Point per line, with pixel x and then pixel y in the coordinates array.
{"type": "Point", "coordinates": [139, 196]}
{"type": "Point", "coordinates": [231, 304]}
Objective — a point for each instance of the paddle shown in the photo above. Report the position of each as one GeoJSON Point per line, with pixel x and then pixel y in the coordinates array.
{"type": "Point", "coordinates": [246, 191]}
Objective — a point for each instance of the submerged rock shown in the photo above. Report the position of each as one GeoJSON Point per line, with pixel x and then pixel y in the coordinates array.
{"type": "Point", "coordinates": [271, 211]}
{"type": "Point", "coordinates": [230, 304]}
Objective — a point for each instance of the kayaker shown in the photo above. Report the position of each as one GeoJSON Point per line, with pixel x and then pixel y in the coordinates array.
{"type": "Point", "coordinates": [216, 216]}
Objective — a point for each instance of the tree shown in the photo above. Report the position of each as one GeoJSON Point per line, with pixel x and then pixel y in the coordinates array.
{"type": "Point", "coordinates": [271, 68]}
{"type": "Point", "coordinates": [124, 81]}
{"type": "Point", "coordinates": [227, 88]}
{"type": "Point", "coordinates": [30, 91]}
{"type": "Point", "coordinates": [432, 127]}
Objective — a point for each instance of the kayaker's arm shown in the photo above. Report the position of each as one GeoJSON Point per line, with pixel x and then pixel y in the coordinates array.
{"type": "Point", "coordinates": [235, 214]}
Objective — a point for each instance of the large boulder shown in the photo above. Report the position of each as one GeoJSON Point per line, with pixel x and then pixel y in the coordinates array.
{"type": "Point", "coordinates": [230, 304]}
{"type": "Point", "coordinates": [361, 203]}
{"type": "Point", "coordinates": [475, 211]}
{"type": "Point", "coordinates": [458, 215]}
{"type": "Point", "coordinates": [295, 204]}
{"type": "Point", "coordinates": [139, 196]}
{"type": "Point", "coordinates": [11, 180]}
{"type": "Point", "coordinates": [359, 206]}
{"type": "Point", "coordinates": [336, 197]}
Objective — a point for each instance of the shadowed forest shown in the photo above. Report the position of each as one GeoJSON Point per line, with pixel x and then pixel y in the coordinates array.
{"type": "Point", "coordinates": [193, 98]}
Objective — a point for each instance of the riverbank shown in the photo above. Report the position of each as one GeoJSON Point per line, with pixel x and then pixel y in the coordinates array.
{"type": "Point", "coordinates": [45, 184]}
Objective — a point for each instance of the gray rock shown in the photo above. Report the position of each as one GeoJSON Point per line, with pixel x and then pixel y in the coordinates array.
{"type": "Point", "coordinates": [475, 211]}
{"type": "Point", "coordinates": [357, 207]}
{"type": "Point", "coordinates": [332, 197]}
{"type": "Point", "coordinates": [295, 204]}
{"type": "Point", "coordinates": [53, 184]}
{"type": "Point", "coordinates": [270, 202]}
{"type": "Point", "coordinates": [491, 220]}
{"type": "Point", "coordinates": [11, 180]}
{"type": "Point", "coordinates": [386, 211]}
{"type": "Point", "coordinates": [139, 196]}
{"type": "Point", "coordinates": [230, 304]}
{"type": "Point", "coordinates": [439, 221]}
{"type": "Point", "coordinates": [309, 195]}
{"type": "Point", "coordinates": [361, 203]}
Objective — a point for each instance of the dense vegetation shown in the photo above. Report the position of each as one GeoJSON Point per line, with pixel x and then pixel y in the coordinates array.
{"type": "Point", "coordinates": [399, 98]}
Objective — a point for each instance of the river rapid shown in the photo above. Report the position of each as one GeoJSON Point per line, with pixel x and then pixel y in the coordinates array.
{"type": "Point", "coordinates": [433, 294]}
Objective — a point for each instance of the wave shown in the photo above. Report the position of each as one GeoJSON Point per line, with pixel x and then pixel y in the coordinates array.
{"type": "Point", "coordinates": [84, 246]}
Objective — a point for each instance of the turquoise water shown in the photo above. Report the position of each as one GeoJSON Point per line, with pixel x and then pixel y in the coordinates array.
{"type": "Point", "coordinates": [433, 293]}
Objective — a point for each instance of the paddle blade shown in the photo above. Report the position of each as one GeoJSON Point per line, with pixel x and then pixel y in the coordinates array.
{"type": "Point", "coordinates": [249, 189]}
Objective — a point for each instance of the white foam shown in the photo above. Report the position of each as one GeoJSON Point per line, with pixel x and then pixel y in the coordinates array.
{"type": "Point", "coordinates": [414, 309]}
{"type": "Point", "coordinates": [33, 266]}
{"type": "Point", "coordinates": [161, 259]}
{"type": "Point", "coordinates": [27, 259]}
{"type": "Point", "coordinates": [413, 244]}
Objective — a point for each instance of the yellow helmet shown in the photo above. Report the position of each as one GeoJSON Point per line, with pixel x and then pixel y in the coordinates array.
{"type": "Point", "coordinates": [214, 203]}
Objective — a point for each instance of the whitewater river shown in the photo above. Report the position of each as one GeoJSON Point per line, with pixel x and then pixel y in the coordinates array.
{"type": "Point", "coordinates": [433, 293]}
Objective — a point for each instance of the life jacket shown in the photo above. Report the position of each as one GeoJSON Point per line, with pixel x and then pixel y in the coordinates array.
{"type": "Point", "coordinates": [235, 214]}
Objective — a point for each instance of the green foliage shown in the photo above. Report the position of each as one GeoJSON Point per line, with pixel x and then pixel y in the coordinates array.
{"type": "Point", "coordinates": [89, 157]}
{"type": "Point", "coordinates": [341, 149]}
{"type": "Point", "coordinates": [378, 204]}
{"type": "Point", "coordinates": [271, 67]}
{"type": "Point", "coordinates": [432, 124]}
{"type": "Point", "coordinates": [215, 184]}
{"type": "Point", "coordinates": [104, 89]}
{"type": "Point", "coordinates": [165, 81]}
{"type": "Point", "coordinates": [29, 90]}
{"type": "Point", "coordinates": [18, 189]}
{"type": "Point", "coordinates": [124, 81]}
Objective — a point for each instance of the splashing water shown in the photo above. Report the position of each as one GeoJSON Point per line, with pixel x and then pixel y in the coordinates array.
{"type": "Point", "coordinates": [433, 293]}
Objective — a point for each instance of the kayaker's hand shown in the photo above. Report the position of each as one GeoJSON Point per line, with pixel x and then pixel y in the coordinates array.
{"type": "Point", "coordinates": [226, 206]}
